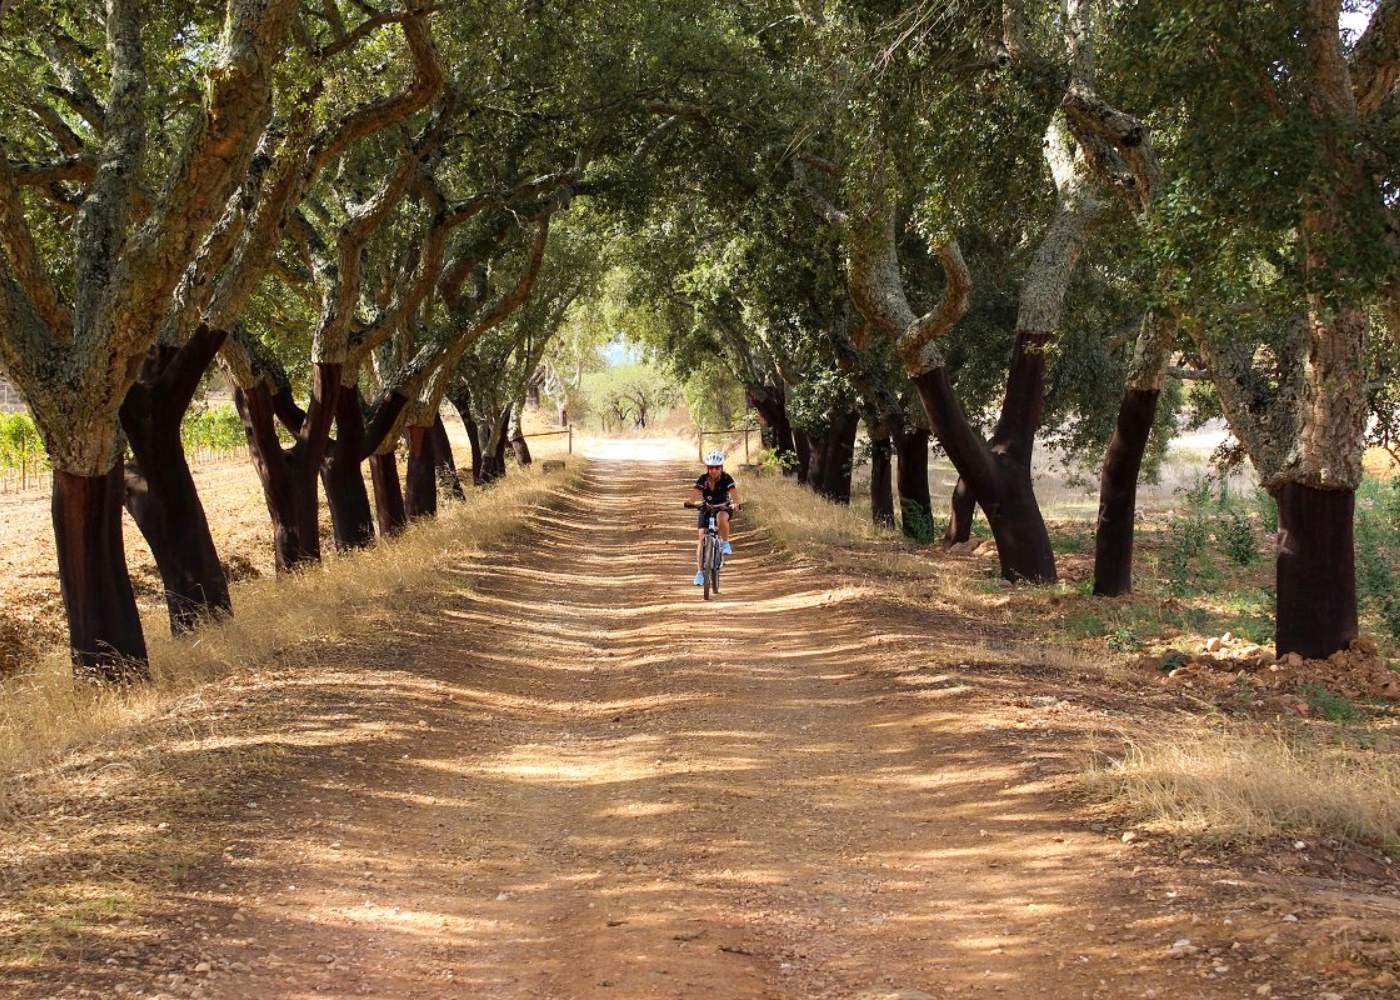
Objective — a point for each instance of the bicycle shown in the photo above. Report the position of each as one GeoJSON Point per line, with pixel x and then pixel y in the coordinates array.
{"type": "Point", "coordinates": [712, 548]}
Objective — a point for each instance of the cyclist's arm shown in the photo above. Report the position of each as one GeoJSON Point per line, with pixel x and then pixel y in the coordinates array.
{"type": "Point", "coordinates": [695, 494]}
{"type": "Point", "coordinates": [734, 496]}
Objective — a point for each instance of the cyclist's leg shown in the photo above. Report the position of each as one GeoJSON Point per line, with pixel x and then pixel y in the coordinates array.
{"type": "Point", "coordinates": [699, 548]}
{"type": "Point", "coordinates": [723, 519]}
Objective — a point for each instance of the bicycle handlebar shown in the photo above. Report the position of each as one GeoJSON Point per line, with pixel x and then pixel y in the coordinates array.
{"type": "Point", "coordinates": [706, 505]}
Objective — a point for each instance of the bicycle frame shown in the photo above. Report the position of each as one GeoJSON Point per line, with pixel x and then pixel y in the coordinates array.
{"type": "Point", "coordinates": [711, 550]}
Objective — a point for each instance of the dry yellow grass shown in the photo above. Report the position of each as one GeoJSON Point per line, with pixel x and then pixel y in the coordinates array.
{"type": "Point", "coordinates": [799, 519]}
{"type": "Point", "coordinates": [44, 714]}
{"type": "Point", "coordinates": [1244, 783]}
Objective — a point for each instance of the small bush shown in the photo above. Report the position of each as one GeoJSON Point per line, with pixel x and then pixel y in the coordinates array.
{"type": "Point", "coordinates": [1124, 640]}
{"type": "Point", "coordinates": [917, 522]}
{"type": "Point", "coordinates": [1236, 534]}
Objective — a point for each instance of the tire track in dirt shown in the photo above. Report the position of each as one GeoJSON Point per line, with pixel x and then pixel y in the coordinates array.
{"type": "Point", "coordinates": [576, 779]}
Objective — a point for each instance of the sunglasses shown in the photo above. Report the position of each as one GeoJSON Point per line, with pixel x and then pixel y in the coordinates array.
{"type": "Point", "coordinates": [713, 467]}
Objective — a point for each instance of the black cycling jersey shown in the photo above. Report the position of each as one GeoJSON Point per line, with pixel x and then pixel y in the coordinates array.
{"type": "Point", "coordinates": [717, 492]}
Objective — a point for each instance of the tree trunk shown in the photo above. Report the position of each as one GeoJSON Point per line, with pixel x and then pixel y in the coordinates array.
{"type": "Point", "coordinates": [1113, 538]}
{"type": "Point", "coordinates": [160, 490]}
{"type": "Point", "coordinates": [999, 473]}
{"type": "Point", "coordinates": [104, 628]}
{"type": "Point", "coordinates": [962, 505]}
{"type": "Point", "coordinates": [493, 457]}
{"type": "Point", "coordinates": [448, 480]}
{"type": "Point", "coordinates": [838, 458]}
{"type": "Point", "coordinates": [1316, 570]}
{"type": "Point", "coordinates": [421, 480]}
{"type": "Point", "coordinates": [288, 475]}
{"type": "Point", "coordinates": [388, 494]}
{"type": "Point", "coordinates": [351, 520]}
{"type": "Point", "coordinates": [881, 483]}
{"type": "Point", "coordinates": [461, 401]}
{"type": "Point", "coordinates": [802, 445]}
{"type": "Point", "coordinates": [818, 452]}
{"type": "Point", "coordinates": [915, 504]}
{"type": "Point", "coordinates": [474, 439]}
{"type": "Point", "coordinates": [774, 427]}
{"type": "Point", "coordinates": [518, 444]}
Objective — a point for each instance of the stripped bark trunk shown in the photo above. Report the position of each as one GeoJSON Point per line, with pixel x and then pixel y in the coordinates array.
{"type": "Point", "coordinates": [443, 461]}
{"type": "Point", "coordinates": [104, 628]}
{"type": "Point", "coordinates": [389, 506]}
{"type": "Point", "coordinates": [352, 523]}
{"type": "Point", "coordinates": [1316, 570]}
{"type": "Point", "coordinates": [1122, 463]}
{"type": "Point", "coordinates": [881, 483]}
{"type": "Point", "coordinates": [460, 398]}
{"type": "Point", "coordinates": [838, 458]}
{"type": "Point", "coordinates": [160, 491]}
{"type": "Point", "coordinates": [999, 472]}
{"type": "Point", "coordinates": [962, 507]}
{"type": "Point", "coordinates": [288, 475]}
{"type": "Point", "coordinates": [915, 504]}
{"type": "Point", "coordinates": [421, 479]}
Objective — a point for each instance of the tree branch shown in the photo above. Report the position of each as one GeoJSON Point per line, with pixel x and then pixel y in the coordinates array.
{"type": "Point", "coordinates": [26, 265]}
{"type": "Point", "coordinates": [1375, 62]}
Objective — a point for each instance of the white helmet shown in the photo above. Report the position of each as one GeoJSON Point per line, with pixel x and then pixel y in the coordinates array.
{"type": "Point", "coordinates": [714, 458]}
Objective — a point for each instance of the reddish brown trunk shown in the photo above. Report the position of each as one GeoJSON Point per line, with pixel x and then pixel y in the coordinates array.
{"type": "Point", "coordinates": [1113, 538]}
{"type": "Point", "coordinates": [160, 490]}
{"type": "Point", "coordinates": [521, 447]}
{"type": "Point", "coordinates": [962, 505]}
{"type": "Point", "coordinates": [838, 458]}
{"type": "Point", "coordinates": [104, 628]}
{"type": "Point", "coordinates": [461, 401]}
{"type": "Point", "coordinates": [1316, 570]}
{"type": "Point", "coordinates": [915, 504]}
{"type": "Point", "coordinates": [388, 494]}
{"type": "Point", "coordinates": [352, 523]}
{"type": "Point", "coordinates": [443, 462]}
{"type": "Point", "coordinates": [881, 483]}
{"type": "Point", "coordinates": [999, 474]}
{"type": "Point", "coordinates": [421, 480]}
{"type": "Point", "coordinates": [288, 475]}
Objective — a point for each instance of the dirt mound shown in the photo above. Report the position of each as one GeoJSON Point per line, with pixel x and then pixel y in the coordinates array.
{"type": "Point", "coordinates": [1251, 677]}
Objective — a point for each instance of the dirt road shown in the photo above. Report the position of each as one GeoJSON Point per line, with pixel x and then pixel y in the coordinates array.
{"type": "Point", "coordinates": [574, 778]}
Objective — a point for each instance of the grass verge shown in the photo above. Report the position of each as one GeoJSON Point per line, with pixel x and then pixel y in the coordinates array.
{"type": "Point", "coordinates": [45, 714]}
{"type": "Point", "coordinates": [1243, 782]}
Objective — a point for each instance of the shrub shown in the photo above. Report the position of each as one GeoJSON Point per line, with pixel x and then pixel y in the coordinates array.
{"type": "Point", "coordinates": [1124, 640]}
{"type": "Point", "coordinates": [1236, 534]}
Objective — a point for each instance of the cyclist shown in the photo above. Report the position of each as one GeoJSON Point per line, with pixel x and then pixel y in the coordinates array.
{"type": "Point", "coordinates": [715, 487]}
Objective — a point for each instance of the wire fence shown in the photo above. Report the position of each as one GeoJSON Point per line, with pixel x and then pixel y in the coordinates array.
{"type": "Point", "coordinates": [730, 438]}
